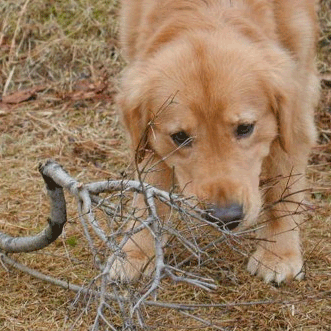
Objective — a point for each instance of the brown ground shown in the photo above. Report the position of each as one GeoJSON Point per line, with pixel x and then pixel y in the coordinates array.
{"type": "Point", "coordinates": [63, 55]}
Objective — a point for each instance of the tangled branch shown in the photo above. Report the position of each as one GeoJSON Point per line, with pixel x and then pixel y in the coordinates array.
{"type": "Point", "coordinates": [191, 242]}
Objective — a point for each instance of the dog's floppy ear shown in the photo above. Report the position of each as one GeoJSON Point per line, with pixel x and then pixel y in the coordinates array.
{"type": "Point", "coordinates": [285, 106]}
{"type": "Point", "coordinates": [283, 91]}
{"type": "Point", "coordinates": [133, 105]}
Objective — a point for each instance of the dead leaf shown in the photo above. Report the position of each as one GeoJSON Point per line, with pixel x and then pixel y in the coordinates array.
{"type": "Point", "coordinates": [84, 85]}
{"type": "Point", "coordinates": [84, 89]}
{"type": "Point", "coordinates": [22, 96]}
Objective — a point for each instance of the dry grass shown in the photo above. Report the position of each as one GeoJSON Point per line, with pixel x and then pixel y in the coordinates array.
{"type": "Point", "coordinates": [68, 49]}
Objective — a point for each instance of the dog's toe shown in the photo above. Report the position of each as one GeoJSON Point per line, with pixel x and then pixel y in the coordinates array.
{"type": "Point", "coordinates": [275, 268]}
{"type": "Point", "coordinates": [129, 269]}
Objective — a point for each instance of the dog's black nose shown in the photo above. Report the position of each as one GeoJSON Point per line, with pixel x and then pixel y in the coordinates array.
{"type": "Point", "coordinates": [228, 217]}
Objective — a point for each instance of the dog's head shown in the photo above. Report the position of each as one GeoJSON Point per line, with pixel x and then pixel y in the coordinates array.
{"type": "Point", "coordinates": [214, 105]}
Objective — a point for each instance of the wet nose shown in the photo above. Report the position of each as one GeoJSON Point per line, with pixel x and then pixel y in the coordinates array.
{"type": "Point", "coordinates": [228, 217]}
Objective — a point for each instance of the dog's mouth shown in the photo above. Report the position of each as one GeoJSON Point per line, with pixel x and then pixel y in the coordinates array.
{"type": "Point", "coordinates": [228, 217]}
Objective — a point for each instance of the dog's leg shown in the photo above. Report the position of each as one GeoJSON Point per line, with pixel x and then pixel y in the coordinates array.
{"type": "Point", "coordinates": [278, 256]}
{"type": "Point", "coordinates": [138, 253]}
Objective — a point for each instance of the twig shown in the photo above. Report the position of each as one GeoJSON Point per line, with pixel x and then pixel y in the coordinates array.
{"type": "Point", "coordinates": [160, 304]}
{"type": "Point", "coordinates": [203, 321]}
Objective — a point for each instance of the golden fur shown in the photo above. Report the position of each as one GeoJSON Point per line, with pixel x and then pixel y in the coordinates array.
{"type": "Point", "coordinates": [225, 63]}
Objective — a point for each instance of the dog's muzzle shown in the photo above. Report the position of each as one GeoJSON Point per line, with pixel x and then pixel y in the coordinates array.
{"type": "Point", "coordinates": [226, 217]}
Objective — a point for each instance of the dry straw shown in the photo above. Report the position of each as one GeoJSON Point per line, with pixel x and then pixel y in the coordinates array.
{"type": "Point", "coordinates": [58, 62]}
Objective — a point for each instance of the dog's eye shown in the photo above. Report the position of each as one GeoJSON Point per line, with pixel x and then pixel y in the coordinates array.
{"type": "Point", "coordinates": [244, 130]}
{"type": "Point", "coordinates": [182, 138]}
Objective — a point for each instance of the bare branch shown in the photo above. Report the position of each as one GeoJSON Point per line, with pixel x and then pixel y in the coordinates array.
{"type": "Point", "coordinates": [192, 241]}
{"type": "Point", "coordinates": [56, 222]}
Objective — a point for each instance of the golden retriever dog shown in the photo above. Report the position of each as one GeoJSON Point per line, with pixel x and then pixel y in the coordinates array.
{"type": "Point", "coordinates": [243, 85]}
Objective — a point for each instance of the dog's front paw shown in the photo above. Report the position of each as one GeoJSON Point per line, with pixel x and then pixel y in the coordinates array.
{"type": "Point", "coordinates": [274, 267]}
{"type": "Point", "coordinates": [130, 269]}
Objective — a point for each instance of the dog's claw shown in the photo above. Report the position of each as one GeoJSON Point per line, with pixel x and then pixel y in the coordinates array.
{"type": "Point", "coordinates": [273, 268]}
